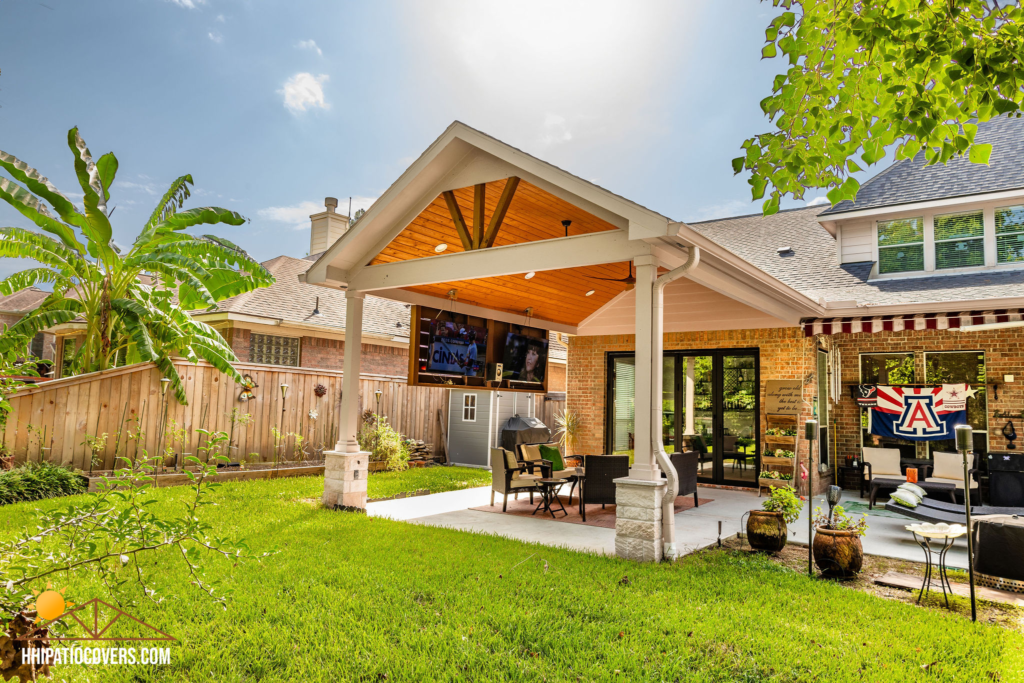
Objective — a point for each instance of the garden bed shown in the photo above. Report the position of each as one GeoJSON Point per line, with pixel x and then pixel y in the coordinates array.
{"type": "Point", "coordinates": [251, 472]}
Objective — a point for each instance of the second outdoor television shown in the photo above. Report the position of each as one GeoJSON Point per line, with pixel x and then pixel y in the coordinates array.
{"type": "Point", "coordinates": [525, 359]}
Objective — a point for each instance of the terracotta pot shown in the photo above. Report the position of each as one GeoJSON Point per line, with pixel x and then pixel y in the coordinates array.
{"type": "Point", "coordinates": [838, 554]}
{"type": "Point", "coordinates": [766, 531]}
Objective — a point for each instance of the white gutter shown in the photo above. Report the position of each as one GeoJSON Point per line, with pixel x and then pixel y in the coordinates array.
{"type": "Point", "coordinates": [668, 519]}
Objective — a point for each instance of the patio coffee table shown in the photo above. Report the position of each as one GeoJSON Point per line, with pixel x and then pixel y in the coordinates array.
{"type": "Point", "coordinates": [931, 487]}
{"type": "Point", "coordinates": [549, 494]}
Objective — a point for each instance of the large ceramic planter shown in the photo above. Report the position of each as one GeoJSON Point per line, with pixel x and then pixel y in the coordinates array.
{"type": "Point", "coordinates": [838, 554]}
{"type": "Point", "coordinates": [766, 531]}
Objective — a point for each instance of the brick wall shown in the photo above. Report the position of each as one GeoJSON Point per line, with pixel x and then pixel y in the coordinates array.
{"type": "Point", "coordinates": [328, 354]}
{"type": "Point", "coordinates": [784, 354]}
{"type": "Point", "coordinates": [1004, 355]}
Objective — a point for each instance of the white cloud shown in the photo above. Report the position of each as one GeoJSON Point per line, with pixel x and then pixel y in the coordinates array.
{"type": "Point", "coordinates": [304, 90]}
{"type": "Point", "coordinates": [310, 45]}
{"type": "Point", "coordinates": [818, 201]}
{"type": "Point", "coordinates": [148, 188]}
{"type": "Point", "coordinates": [216, 37]}
{"type": "Point", "coordinates": [297, 215]}
{"type": "Point", "coordinates": [220, 18]}
{"type": "Point", "coordinates": [188, 4]}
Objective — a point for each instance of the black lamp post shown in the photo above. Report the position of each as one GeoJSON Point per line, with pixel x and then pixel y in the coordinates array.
{"type": "Point", "coordinates": [811, 434]}
{"type": "Point", "coordinates": [965, 444]}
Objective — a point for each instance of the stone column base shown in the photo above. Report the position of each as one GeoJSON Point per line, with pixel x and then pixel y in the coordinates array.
{"type": "Point", "coordinates": [638, 519]}
{"type": "Point", "coordinates": [345, 480]}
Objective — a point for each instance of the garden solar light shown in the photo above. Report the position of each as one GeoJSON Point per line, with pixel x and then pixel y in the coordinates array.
{"type": "Point", "coordinates": [833, 496]}
{"type": "Point", "coordinates": [284, 391]}
{"type": "Point", "coordinates": [164, 383]}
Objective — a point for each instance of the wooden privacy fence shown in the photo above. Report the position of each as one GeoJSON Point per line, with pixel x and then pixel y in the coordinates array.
{"type": "Point", "coordinates": [54, 420]}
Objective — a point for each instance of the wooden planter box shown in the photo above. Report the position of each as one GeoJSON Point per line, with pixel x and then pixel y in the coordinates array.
{"type": "Point", "coordinates": [777, 483]}
{"type": "Point", "coordinates": [776, 460]}
{"type": "Point", "coordinates": [775, 440]}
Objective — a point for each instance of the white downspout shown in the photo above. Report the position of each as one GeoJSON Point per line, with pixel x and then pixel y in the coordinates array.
{"type": "Point", "coordinates": [668, 519]}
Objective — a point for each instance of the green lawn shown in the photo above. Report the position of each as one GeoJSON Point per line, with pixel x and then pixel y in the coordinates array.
{"type": "Point", "coordinates": [435, 479]}
{"type": "Point", "coordinates": [351, 598]}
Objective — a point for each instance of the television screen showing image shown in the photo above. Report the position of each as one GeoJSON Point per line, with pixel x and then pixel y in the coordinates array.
{"type": "Point", "coordinates": [457, 349]}
{"type": "Point", "coordinates": [525, 358]}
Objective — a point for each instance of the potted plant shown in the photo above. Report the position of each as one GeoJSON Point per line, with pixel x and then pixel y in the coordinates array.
{"type": "Point", "coordinates": [766, 528]}
{"type": "Point", "coordinates": [837, 548]}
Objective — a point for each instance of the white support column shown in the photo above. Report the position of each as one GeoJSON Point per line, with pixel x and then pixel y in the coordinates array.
{"type": "Point", "coordinates": [346, 467]}
{"type": "Point", "coordinates": [349, 428]}
{"type": "Point", "coordinates": [691, 362]}
{"type": "Point", "coordinates": [644, 467]}
{"type": "Point", "coordinates": [639, 497]}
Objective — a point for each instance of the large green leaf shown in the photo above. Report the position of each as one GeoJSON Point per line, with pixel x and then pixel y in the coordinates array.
{"type": "Point", "coordinates": [132, 317]}
{"type": "Point", "coordinates": [31, 277]}
{"type": "Point", "coordinates": [41, 186]}
{"type": "Point", "coordinates": [106, 167]}
{"type": "Point", "coordinates": [200, 216]}
{"type": "Point", "coordinates": [21, 243]}
{"type": "Point", "coordinates": [97, 227]}
{"type": "Point", "coordinates": [149, 261]}
{"type": "Point", "coordinates": [30, 207]}
{"type": "Point", "coordinates": [171, 373]}
{"type": "Point", "coordinates": [41, 319]}
{"type": "Point", "coordinates": [172, 200]}
{"type": "Point", "coordinates": [216, 357]}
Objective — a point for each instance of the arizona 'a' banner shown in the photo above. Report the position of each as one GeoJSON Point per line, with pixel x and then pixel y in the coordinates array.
{"type": "Point", "coordinates": [920, 414]}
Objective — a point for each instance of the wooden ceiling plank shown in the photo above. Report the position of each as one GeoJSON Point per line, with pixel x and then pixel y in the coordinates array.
{"type": "Point", "coordinates": [479, 204]}
{"type": "Point", "coordinates": [460, 224]}
{"type": "Point", "coordinates": [498, 217]}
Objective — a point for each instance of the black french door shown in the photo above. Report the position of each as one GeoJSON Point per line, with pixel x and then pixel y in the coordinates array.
{"type": "Point", "coordinates": [710, 403]}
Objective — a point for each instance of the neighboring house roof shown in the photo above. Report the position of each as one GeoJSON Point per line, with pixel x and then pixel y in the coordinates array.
{"type": "Point", "coordinates": [910, 181]}
{"type": "Point", "coordinates": [23, 301]}
{"type": "Point", "coordinates": [814, 270]}
{"type": "Point", "coordinates": [292, 301]}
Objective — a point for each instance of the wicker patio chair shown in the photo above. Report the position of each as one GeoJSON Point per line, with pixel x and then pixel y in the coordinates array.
{"type": "Point", "coordinates": [601, 471]}
{"type": "Point", "coordinates": [686, 470]}
{"type": "Point", "coordinates": [509, 476]}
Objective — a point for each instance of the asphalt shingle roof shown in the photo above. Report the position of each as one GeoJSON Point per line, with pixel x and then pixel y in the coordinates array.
{"type": "Point", "coordinates": [23, 301]}
{"type": "Point", "coordinates": [813, 267]}
{"type": "Point", "coordinates": [909, 181]}
{"type": "Point", "coordinates": [293, 301]}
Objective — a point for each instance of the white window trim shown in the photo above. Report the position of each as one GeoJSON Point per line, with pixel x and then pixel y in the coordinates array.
{"type": "Point", "coordinates": [979, 351]}
{"type": "Point", "coordinates": [988, 212]}
{"type": "Point", "coordinates": [466, 407]}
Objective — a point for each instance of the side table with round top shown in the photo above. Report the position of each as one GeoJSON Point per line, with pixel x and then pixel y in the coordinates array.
{"type": "Point", "coordinates": [549, 494]}
{"type": "Point", "coordinates": [945, 534]}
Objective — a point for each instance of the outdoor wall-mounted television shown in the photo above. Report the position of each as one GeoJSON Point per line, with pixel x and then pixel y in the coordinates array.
{"type": "Point", "coordinates": [457, 349]}
{"type": "Point", "coordinates": [526, 358]}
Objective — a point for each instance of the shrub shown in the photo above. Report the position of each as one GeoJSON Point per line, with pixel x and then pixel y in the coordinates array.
{"type": "Point", "coordinates": [384, 444]}
{"type": "Point", "coordinates": [840, 521]}
{"type": "Point", "coordinates": [38, 480]}
{"type": "Point", "coordinates": [785, 501]}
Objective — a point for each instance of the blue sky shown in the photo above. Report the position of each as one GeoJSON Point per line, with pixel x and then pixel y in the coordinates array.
{"type": "Point", "coordinates": [272, 106]}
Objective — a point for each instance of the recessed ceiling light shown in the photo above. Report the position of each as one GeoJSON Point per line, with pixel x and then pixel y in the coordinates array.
{"type": "Point", "coordinates": [530, 275]}
{"type": "Point", "coordinates": [590, 292]}
{"type": "Point", "coordinates": [441, 247]}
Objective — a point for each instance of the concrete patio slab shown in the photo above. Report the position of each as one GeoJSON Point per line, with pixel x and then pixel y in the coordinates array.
{"type": "Point", "coordinates": [696, 528]}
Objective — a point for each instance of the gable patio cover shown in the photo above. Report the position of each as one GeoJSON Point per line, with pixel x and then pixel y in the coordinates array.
{"type": "Point", "coordinates": [501, 214]}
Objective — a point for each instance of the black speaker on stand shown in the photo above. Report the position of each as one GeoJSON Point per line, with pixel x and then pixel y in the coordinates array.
{"type": "Point", "coordinates": [1006, 479]}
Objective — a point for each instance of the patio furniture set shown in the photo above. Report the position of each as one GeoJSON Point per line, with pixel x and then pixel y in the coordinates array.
{"type": "Point", "coordinates": [594, 475]}
{"type": "Point", "coordinates": [882, 468]}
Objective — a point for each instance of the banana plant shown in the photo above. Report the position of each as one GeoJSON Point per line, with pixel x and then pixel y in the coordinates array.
{"type": "Point", "coordinates": [134, 303]}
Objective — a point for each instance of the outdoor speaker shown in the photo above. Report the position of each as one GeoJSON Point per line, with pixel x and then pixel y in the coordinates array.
{"type": "Point", "coordinates": [964, 438]}
{"type": "Point", "coordinates": [498, 369]}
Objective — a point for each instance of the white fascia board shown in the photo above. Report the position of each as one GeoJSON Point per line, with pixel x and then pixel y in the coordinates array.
{"type": "Point", "coordinates": [408, 297]}
{"type": "Point", "coordinates": [923, 206]}
{"type": "Point", "coordinates": [564, 252]}
{"type": "Point", "coordinates": [237, 317]}
{"type": "Point", "coordinates": [871, 311]}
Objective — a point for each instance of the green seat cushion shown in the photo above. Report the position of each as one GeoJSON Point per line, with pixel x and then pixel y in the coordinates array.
{"type": "Point", "coordinates": [554, 456]}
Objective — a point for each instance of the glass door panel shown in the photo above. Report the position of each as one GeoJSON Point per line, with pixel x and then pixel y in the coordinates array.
{"type": "Point", "coordinates": [623, 381]}
{"type": "Point", "coordinates": [740, 422]}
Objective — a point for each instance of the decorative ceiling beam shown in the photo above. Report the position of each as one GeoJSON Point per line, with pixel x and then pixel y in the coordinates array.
{"type": "Point", "coordinates": [499, 212]}
{"type": "Point", "coordinates": [460, 223]}
{"type": "Point", "coordinates": [479, 204]}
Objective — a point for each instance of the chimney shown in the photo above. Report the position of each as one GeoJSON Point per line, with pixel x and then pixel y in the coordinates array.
{"type": "Point", "coordinates": [327, 227]}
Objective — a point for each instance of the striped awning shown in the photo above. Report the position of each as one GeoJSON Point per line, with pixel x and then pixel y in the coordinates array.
{"type": "Point", "coordinates": [898, 323]}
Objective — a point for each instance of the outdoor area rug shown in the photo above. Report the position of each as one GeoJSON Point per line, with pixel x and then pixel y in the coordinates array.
{"type": "Point", "coordinates": [596, 516]}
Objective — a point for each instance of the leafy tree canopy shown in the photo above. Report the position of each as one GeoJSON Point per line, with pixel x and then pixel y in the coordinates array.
{"type": "Point", "coordinates": [134, 304]}
{"type": "Point", "coordinates": [867, 75]}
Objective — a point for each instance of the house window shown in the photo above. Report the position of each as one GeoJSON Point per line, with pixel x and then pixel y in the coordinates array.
{"type": "Point", "coordinates": [1010, 234]}
{"type": "Point", "coordinates": [901, 245]}
{"type": "Point", "coordinates": [955, 367]}
{"type": "Point", "coordinates": [959, 240]}
{"type": "Point", "coordinates": [469, 408]}
{"type": "Point", "coordinates": [274, 350]}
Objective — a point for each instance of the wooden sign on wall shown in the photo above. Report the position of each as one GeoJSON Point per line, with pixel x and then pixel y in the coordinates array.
{"type": "Point", "coordinates": [782, 396]}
